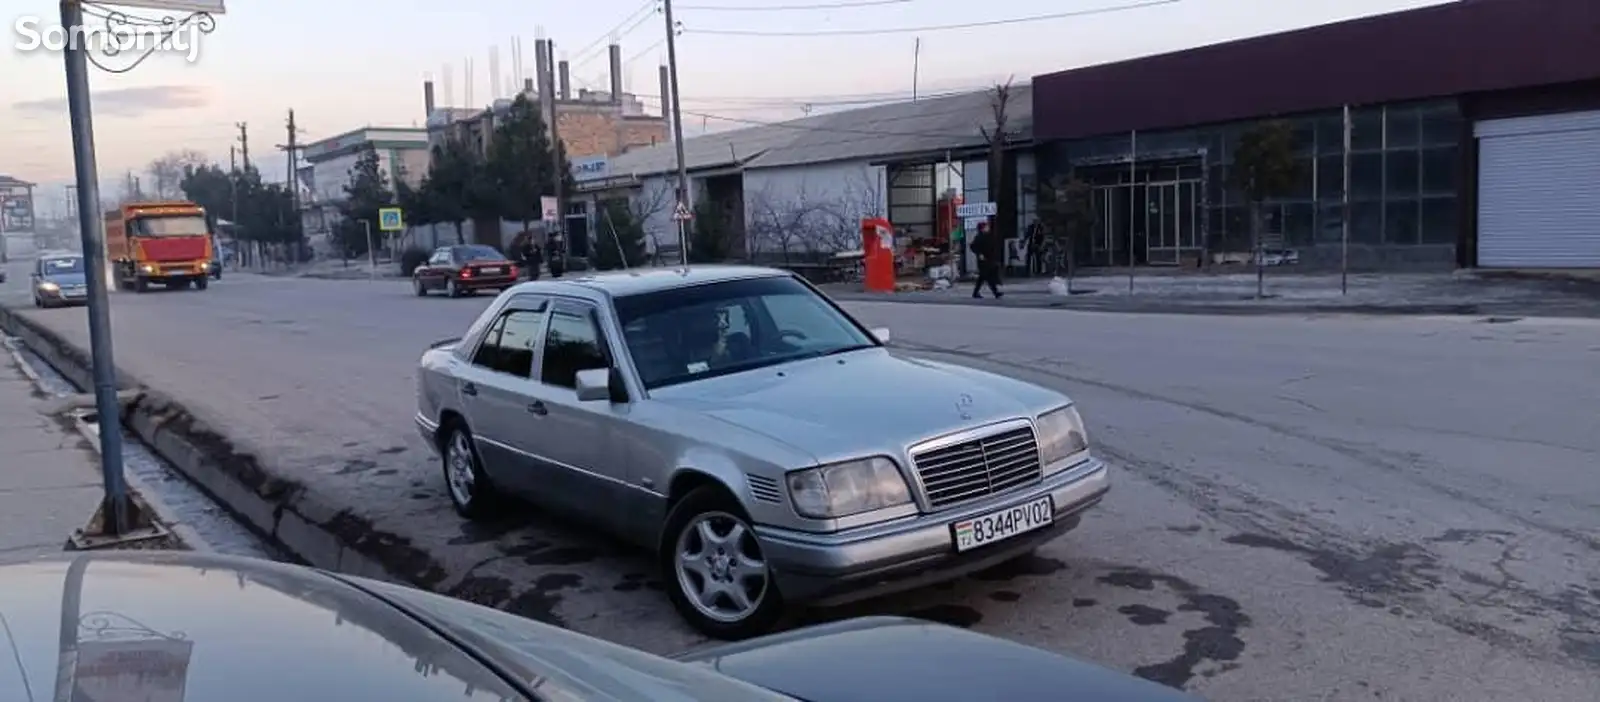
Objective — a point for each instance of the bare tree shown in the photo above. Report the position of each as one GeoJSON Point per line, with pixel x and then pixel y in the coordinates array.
{"type": "Point", "coordinates": [797, 225]}
{"type": "Point", "coordinates": [167, 171]}
{"type": "Point", "coordinates": [653, 198]}
{"type": "Point", "coordinates": [997, 134]}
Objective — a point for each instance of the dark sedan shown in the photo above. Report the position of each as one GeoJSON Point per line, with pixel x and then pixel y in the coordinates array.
{"type": "Point", "coordinates": [463, 270]}
{"type": "Point", "coordinates": [202, 628]}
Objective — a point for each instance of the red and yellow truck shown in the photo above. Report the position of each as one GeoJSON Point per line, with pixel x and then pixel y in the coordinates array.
{"type": "Point", "coordinates": [158, 242]}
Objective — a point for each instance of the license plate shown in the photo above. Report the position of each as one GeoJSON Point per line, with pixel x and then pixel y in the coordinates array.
{"type": "Point", "coordinates": [489, 271]}
{"type": "Point", "coordinates": [1003, 524]}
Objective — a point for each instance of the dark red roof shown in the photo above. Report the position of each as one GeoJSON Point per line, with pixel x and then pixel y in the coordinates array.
{"type": "Point", "coordinates": [1462, 47]}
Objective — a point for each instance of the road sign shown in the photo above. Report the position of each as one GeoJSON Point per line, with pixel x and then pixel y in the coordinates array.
{"type": "Point", "coordinates": [977, 209]}
{"type": "Point", "coordinates": [682, 214]}
{"type": "Point", "coordinates": [390, 219]}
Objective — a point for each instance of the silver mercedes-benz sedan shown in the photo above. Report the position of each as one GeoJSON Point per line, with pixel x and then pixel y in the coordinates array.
{"type": "Point", "coordinates": [766, 445]}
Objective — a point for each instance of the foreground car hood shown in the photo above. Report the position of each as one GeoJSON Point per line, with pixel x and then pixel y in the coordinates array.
{"type": "Point", "coordinates": [916, 660]}
{"type": "Point", "coordinates": [863, 401]}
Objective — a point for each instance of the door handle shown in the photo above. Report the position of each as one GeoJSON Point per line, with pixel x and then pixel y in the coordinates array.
{"type": "Point", "coordinates": [537, 407]}
{"type": "Point", "coordinates": [469, 389]}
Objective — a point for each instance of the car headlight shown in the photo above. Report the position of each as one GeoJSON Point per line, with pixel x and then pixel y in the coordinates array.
{"type": "Point", "coordinates": [147, 268]}
{"type": "Point", "coordinates": [1061, 436]}
{"type": "Point", "coordinates": [48, 286]}
{"type": "Point", "coordinates": [843, 489]}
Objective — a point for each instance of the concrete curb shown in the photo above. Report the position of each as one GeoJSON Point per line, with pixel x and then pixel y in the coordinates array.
{"type": "Point", "coordinates": [297, 521]}
{"type": "Point", "coordinates": [1200, 308]}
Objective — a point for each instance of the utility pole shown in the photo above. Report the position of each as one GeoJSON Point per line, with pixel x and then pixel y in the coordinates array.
{"type": "Point", "coordinates": [244, 143]}
{"type": "Point", "coordinates": [677, 131]}
{"type": "Point", "coordinates": [118, 516]}
{"type": "Point", "coordinates": [294, 189]}
{"type": "Point", "coordinates": [233, 194]}
{"type": "Point", "coordinates": [547, 87]}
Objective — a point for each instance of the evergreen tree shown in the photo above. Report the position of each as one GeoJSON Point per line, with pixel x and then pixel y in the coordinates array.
{"type": "Point", "coordinates": [366, 193]}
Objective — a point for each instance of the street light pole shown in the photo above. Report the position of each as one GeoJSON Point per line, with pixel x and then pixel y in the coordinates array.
{"type": "Point", "coordinates": [116, 509]}
{"type": "Point", "coordinates": [677, 133]}
{"type": "Point", "coordinates": [372, 251]}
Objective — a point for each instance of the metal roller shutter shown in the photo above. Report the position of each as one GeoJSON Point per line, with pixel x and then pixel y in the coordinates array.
{"type": "Point", "coordinates": [1539, 191]}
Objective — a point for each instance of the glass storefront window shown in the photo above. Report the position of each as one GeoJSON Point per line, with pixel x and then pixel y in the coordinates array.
{"type": "Point", "coordinates": [1366, 222]}
{"type": "Point", "coordinates": [1366, 176]}
{"type": "Point", "coordinates": [1402, 172]}
{"type": "Point", "coordinates": [1330, 178]}
{"type": "Point", "coordinates": [1439, 170]}
{"type": "Point", "coordinates": [1441, 124]}
{"type": "Point", "coordinates": [1401, 129]}
{"type": "Point", "coordinates": [1366, 129]}
{"type": "Point", "coordinates": [1401, 222]}
{"type": "Point", "coordinates": [1440, 220]}
{"type": "Point", "coordinates": [1299, 224]}
{"type": "Point", "coordinates": [1330, 133]}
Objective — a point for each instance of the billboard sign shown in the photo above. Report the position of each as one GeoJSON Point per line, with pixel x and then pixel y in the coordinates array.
{"type": "Point", "coordinates": [147, 670]}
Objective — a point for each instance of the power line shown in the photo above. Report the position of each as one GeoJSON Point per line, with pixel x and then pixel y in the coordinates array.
{"type": "Point", "coordinates": [784, 8]}
{"type": "Point", "coordinates": [936, 27]}
{"type": "Point", "coordinates": [840, 100]}
{"type": "Point", "coordinates": [646, 50]}
{"type": "Point", "coordinates": [634, 21]}
{"type": "Point", "coordinates": [796, 126]}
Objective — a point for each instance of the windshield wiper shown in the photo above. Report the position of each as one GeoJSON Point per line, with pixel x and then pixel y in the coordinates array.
{"type": "Point", "coordinates": [842, 349]}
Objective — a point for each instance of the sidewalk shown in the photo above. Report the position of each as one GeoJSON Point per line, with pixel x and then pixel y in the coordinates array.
{"type": "Point", "coordinates": [1285, 293]}
{"type": "Point", "coordinates": [49, 485]}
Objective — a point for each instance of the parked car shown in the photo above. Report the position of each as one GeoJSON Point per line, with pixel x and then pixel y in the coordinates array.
{"type": "Point", "coordinates": [203, 628]}
{"type": "Point", "coordinates": [59, 280]}
{"type": "Point", "coordinates": [463, 270]}
{"type": "Point", "coordinates": [767, 446]}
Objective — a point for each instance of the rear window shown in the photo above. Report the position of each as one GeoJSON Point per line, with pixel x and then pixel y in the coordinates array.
{"type": "Point", "coordinates": [477, 253]}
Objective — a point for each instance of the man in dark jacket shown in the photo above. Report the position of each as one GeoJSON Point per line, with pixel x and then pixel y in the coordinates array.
{"type": "Point", "coordinates": [531, 256]}
{"type": "Point", "coordinates": [557, 256]}
{"type": "Point", "coordinates": [990, 250]}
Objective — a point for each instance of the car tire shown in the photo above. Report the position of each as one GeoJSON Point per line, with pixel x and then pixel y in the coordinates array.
{"type": "Point", "coordinates": [202, 283]}
{"type": "Point", "coordinates": [451, 289]}
{"type": "Point", "coordinates": [418, 287]}
{"type": "Point", "coordinates": [684, 541]}
{"type": "Point", "coordinates": [468, 487]}
{"type": "Point", "coordinates": [140, 285]}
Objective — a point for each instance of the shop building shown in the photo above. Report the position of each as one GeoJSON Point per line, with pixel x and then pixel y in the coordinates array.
{"type": "Point", "coordinates": [1474, 141]}
{"type": "Point", "coordinates": [402, 157]}
{"type": "Point", "coordinates": [796, 191]}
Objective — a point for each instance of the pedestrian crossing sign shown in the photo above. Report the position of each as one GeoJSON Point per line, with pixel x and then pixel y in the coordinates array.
{"type": "Point", "coordinates": [391, 220]}
{"type": "Point", "coordinates": [682, 213]}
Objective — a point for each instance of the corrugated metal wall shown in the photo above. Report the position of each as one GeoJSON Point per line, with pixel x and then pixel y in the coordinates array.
{"type": "Point", "coordinates": [1539, 191]}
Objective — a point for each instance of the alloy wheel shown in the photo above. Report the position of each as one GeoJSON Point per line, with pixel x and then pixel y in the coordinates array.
{"type": "Point", "coordinates": [459, 472]}
{"type": "Point", "coordinates": [720, 568]}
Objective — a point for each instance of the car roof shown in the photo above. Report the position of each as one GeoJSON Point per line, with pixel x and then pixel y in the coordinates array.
{"type": "Point", "coordinates": [635, 281]}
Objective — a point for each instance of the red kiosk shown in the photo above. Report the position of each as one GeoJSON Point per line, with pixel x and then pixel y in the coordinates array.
{"type": "Point", "coordinates": [877, 249]}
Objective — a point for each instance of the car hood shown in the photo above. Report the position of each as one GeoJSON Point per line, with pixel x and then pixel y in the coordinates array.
{"type": "Point", "coordinates": [918, 660]}
{"type": "Point", "coordinates": [66, 280]}
{"type": "Point", "coordinates": [860, 401]}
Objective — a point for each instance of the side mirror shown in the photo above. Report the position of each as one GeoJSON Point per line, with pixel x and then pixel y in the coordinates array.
{"type": "Point", "coordinates": [881, 334]}
{"type": "Point", "coordinates": [594, 384]}
{"type": "Point", "coordinates": [601, 384]}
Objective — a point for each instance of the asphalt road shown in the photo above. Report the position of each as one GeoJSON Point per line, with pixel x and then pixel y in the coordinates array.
{"type": "Point", "coordinates": [1337, 508]}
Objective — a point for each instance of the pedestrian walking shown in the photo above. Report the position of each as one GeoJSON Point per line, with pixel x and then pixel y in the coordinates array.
{"type": "Point", "coordinates": [531, 256]}
{"type": "Point", "coordinates": [556, 255]}
{"type": "Point", "coordinates": [990, 252]}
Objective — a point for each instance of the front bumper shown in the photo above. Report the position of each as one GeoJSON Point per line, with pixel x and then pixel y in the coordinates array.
{"type": "Point", "coordinates": [828, 569]}
{"type": "Point", "coordinates": [429, 430]}
{"type": "Point", "coordinates": [62, 296]}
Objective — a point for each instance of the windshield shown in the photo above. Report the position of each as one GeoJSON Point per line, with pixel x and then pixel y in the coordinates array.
{"type": "Point", "coordinates": [686, 334]}
{"type": "Point", "coordinates": [62, 266]}
{"type": "Point", "coordinates": [477, 253]}
{"type": "Point", "coordinates": [179, 225]}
